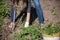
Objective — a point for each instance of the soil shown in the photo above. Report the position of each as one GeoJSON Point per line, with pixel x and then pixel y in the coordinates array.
{"type": "Point", "coordinates": [46, 5]}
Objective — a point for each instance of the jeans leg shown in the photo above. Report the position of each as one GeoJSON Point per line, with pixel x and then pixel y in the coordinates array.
{"type": "Point", "coordinates": [39, 10]}
{"type": "Point", "coordinates": [12, 14]}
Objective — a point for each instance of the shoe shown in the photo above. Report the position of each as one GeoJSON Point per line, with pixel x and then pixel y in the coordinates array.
{"type": "Point", "coordinates": [42, 26]}
{"type": "Point", "coordinates": [26, 24]}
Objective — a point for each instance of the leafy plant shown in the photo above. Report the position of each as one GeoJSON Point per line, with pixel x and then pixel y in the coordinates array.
{"type": "Point", "coordinates": [0, 30]}
{"type": "Point", "coordinates": [32, 33]}
{"type": "Point", "coordinates": [1, 23]}
{"type": "Point", "coordinates": [51, 29]}
{"type": "Point", "coordinates": [59, 21]}
{"type": "Point", "coordinates": [3, 11]}
{"type": "Point", "coordinates": [3, 8]}
{"type": "Point", "coordinates": [53, 11]}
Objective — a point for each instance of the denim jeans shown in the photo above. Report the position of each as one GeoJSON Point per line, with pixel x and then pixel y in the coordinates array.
{"type": "Point", "coordinates": [38, 9]}
{"type": "Point", "coordinates": [12, 13]}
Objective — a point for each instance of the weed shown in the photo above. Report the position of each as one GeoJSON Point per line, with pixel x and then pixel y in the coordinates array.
{"type": "Point", "coordinates": [3, 8]}
{"type": "Point", "coordinates": [53, 11]}
{"type": "Point", "coordinates": [30, 33]}
{"type": "Point", "coordinates": [51, 29]}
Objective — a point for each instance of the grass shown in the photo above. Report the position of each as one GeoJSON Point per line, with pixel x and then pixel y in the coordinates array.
{"type": "Point", "coordinates": [34, 32]}
{"type": "Point", "coordinates": [51, 29]}
{"type": "Point", "coordinates": [3, 13]}
{"type": "Point", "coordinates": [29, 33]}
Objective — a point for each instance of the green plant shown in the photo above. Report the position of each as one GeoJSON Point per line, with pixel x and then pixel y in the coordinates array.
{"type": "Point", "coordinates": [51, 29]}
{"type": "Point", "coordinates": [32, 33]}
{"type": "Point", "coordinates": [3, 11]}
{"type": "Point", "coordinates": [0, 30]}
{"type": "Point", "coordinates": [1, 23]}
{"type": "Point", "coordinates": [3, 8]}
{"type": "Point", "coordinates": [59, 21]}
{"type": "Point", "coordinates": [53, 11]}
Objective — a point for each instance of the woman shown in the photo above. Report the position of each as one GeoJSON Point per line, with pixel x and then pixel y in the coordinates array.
{"type": "Point", "coordinates": [14, 5]}
{"type": "Point", "coordinates": [38, 10]}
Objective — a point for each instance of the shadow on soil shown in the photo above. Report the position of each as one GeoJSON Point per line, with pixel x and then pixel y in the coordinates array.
{"type": "Point", "coordinates": [24, 13]}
